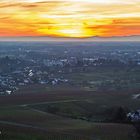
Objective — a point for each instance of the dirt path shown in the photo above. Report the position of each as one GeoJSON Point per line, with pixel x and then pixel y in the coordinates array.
{"type": "Point", "coordinates": [52, 102]}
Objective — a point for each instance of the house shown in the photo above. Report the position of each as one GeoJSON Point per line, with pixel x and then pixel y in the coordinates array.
{"type": "Point", "coordinates": [8, 92]}
{"type": "Point", "coordinates": [134, 116]}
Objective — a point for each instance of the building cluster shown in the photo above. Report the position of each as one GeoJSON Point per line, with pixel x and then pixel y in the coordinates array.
{"type": "Point", "coordinates": [10, 82]}
{"type": "Point", "coordinates": [134, 116]}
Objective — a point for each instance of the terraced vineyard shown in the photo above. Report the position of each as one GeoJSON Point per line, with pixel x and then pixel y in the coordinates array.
{"type": "Point", "coordinates": [98, 131]}
{"type": "Point", "coordinates": [24, 121]}
{"type": "Point", "coordinates": [49, 136]}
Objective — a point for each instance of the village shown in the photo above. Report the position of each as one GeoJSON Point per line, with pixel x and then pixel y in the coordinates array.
{"type": "Point", "coordinates": [23, 66]}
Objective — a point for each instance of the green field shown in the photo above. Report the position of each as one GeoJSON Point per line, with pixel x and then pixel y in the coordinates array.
{"type": "Point", "coordinates": [69, 121]}
{"type": "Point", "coordinates": [98, 107]}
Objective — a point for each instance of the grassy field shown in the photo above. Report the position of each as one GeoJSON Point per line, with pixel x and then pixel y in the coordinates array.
{"type": "Point", "coordinates": [99, 106]}
{"type": "Point", "coordinates": [9, 132]}
{"type": "Point", "coordinates": [98, 131]}
{"type": "Point", "coordinates": [29, 112]}
{"type": "Point", "coordinates": [109, 78]}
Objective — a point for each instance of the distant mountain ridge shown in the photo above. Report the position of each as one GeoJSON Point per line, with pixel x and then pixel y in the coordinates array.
{"type": "Point", "coordinates": [46, 38]}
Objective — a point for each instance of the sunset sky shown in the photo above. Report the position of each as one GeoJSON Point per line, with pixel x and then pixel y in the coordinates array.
{"type": "Point", "coordinates": [69, 18]}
